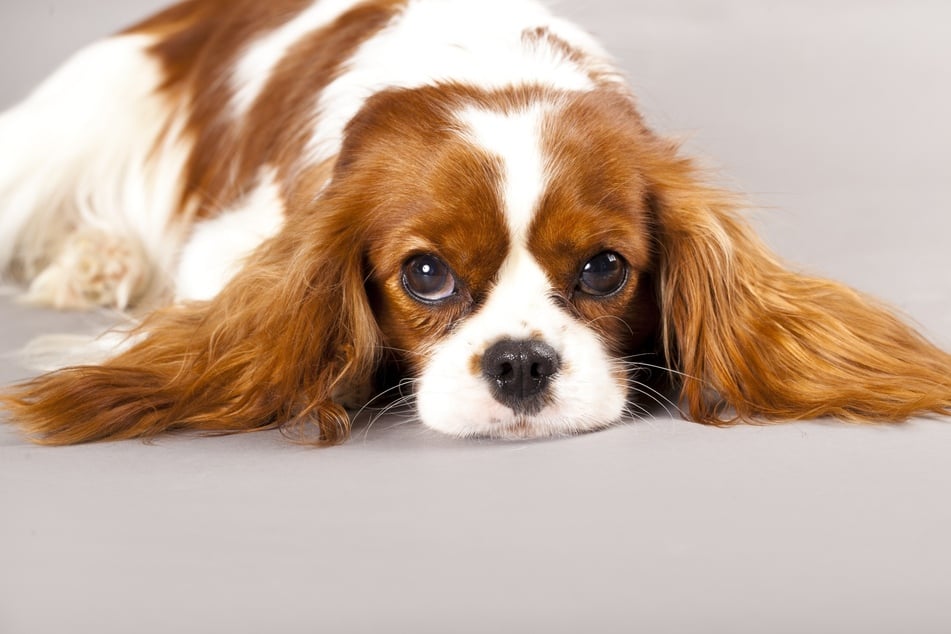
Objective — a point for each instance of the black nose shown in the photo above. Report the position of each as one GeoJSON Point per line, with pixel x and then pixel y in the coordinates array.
{"type": "Point", "coordinates": [519, 373]}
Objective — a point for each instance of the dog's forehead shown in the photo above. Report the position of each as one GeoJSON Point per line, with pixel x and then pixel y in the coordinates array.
{"type": "Point", "coordinates": [568, 175]}
{"type": "Point", "coordinates": [473, 177]}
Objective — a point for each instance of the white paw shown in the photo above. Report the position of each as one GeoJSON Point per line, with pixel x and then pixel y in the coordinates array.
{"type": "Point", "coordinates": [92, 269]}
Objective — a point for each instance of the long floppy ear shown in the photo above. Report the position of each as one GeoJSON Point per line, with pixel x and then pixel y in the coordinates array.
{"type": "Point", "coordinates": [269, 351]}
{"type": "Point", "coordinates": [757, 341]}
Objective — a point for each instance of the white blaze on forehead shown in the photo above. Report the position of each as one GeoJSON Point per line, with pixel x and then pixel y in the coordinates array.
{"type": "Point", "coordinates": [519, 303]}
{"type": "Point", "coordinates": [515, 139]}
{"type": "Point", "coordinates": [257, 63]}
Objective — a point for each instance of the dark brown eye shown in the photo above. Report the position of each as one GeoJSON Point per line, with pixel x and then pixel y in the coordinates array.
{"type": "Point", "coordinates": [428, 279]}
{"type": "Point", "coordinates": [603, 275]}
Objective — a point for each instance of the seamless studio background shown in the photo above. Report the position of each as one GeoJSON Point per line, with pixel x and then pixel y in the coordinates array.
{"type": "Point", "coordinates": [832, 118]}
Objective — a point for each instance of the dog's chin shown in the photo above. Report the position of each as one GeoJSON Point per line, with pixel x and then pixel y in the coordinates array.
{"type": "Point", "coordinates": [516, 427]}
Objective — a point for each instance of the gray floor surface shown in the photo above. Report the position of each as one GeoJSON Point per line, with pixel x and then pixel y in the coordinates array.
{"type": "Point", "coordinates": [833, 117]}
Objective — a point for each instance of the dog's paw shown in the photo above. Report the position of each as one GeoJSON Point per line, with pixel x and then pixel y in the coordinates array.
{"type": "Point", "coordinates": [92, 269]}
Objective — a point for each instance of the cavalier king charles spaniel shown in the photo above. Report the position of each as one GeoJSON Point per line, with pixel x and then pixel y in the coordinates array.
{"type": "Point", "coordinates": [313, 201]}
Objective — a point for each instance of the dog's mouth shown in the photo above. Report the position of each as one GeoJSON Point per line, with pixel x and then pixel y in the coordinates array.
{"type": "Point", "coordinates": [521, 428]}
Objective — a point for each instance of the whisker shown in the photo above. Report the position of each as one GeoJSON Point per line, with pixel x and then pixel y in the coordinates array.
{"type": "Point", "coordinates": [637, 364]}
{"type": "Point", "coordinates": [591, 322]}
{"type": "Point", "coordinates": [398, 387]}
{"type": "Point", "coordinates": [397, 404]}
{"type": "Point", "coordinates": [656, 397]}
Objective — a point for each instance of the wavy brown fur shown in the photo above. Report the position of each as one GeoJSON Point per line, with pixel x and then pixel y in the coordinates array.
{"type": "Point", "coordinates": [757, 341]}
{"type": "Point", "coordinates": [232, 364]}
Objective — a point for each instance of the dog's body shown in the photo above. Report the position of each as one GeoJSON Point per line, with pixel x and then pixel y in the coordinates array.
{"type": "Point", "coordinates": [459, 191]}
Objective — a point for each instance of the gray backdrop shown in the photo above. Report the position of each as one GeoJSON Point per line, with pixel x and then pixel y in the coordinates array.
{"type": "Point", "coordinates": [833, 116]}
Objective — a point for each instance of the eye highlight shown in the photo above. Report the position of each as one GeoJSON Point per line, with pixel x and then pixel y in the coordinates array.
{"type": "Point", "coordinates": [603, 275]}
{"type": "Point", "coordinates": [428, 279]}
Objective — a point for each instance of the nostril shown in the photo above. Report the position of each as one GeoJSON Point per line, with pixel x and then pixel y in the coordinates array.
{"type": "Point", "coordinates": [544, 369]}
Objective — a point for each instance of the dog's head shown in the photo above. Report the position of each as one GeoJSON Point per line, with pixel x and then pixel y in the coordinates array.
{"type": "Point", "coordinates": [510, 250]}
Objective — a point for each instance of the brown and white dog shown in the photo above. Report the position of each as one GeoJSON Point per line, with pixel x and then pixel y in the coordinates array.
{"type": "Point", "coordinates": [314, 197]}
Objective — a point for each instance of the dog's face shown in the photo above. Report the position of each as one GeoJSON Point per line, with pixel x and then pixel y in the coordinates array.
{"type": "Point", "coordinates": [509, 254]}
{"type": "Point", "coordinates": [467, 196]}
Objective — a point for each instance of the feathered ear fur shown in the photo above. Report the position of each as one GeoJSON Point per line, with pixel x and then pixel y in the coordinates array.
{"type": "Point", "coordinates": [269, 351]}
{"type": "Point", "coordinates": [757, 341]}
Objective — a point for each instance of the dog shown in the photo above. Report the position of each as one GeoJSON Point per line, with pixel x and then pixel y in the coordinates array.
{"type": "Point", "coordinates": [312, 202]}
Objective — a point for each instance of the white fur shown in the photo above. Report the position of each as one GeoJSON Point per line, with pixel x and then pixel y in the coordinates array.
{"type": "Point", "coordinates": [51, 352]}
{"type": "Point", "coordinates": [477, 42]}
{"type": "Point", "coordinates": [219, 246]}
